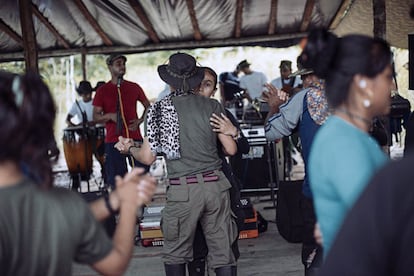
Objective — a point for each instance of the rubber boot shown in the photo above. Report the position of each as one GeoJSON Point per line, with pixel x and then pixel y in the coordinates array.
{"type": "Point", "coordinates": [174, 269]}
{"type": "Point", "coordinates": [197, 267]}
{"type": "Point", "coordinates": [226, 271]}
{"type": "Point", "coordinates": [313, 271]}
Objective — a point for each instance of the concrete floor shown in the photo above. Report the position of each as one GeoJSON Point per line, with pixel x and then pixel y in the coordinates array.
{"type": "Point", "coordinates": [269, 254]}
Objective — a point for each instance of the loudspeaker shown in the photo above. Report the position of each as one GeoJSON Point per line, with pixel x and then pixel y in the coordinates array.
{"type": "Point", "coordinates": [411, 61]}
{"type": "Point", "coordinates": [253, 168]}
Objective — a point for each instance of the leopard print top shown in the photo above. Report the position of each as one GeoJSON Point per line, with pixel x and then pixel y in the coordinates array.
{"type": "Point", "coordinates": [163, 127]}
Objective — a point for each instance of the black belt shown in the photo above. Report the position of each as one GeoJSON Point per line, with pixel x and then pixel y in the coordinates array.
{"type": "Point", "coordinates": [209, 176]}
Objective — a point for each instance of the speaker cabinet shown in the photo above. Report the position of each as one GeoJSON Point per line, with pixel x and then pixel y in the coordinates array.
{"type": "Point", "coordinates": [256, 168]}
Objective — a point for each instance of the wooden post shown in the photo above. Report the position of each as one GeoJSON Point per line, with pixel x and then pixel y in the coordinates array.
{"type": "Point", "coordinates": [83, 56]}
{"type": "Point", "coordinates": [28, 35]}
{"type": "Point", "coordinates": [380, 18]}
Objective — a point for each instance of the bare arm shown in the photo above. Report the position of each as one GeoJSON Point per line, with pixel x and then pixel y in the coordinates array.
{"type": "Point", "coordinates": [131, 196]}
{"type": "Point", "coordinates": [98, 207]}
{"type": "Point", "coordinates": [246, 95]}
{"type": "Point", "coordinates": [143, 153]}
{"type": "Point", "coordinates": [229, 145]}
{"type": "Point", "coordinates": [100, 117]}
{"type": "Point", "coordinates": [68, 120]}
{"type": "Point", "coordinates": [228, 125]}
{"type": "Point", "coordinates": [134, 124]}
{"type": "Point", "coordinates": [145, 189]}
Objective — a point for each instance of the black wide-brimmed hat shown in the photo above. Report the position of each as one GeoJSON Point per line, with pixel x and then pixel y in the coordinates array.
{"type": "Point", "coordinates": [301, 70]}
{"type": "Point", "coordinates": [181, 72]}
{"type": "Point", "coordinates": [84, 87]}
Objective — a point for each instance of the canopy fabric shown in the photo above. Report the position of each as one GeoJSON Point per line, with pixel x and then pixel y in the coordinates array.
{"type": "Point", "coordinates": [64, 27]}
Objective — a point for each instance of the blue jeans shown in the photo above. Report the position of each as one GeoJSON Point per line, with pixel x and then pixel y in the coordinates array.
{"type": "Point", "coordinates": [115, 164]}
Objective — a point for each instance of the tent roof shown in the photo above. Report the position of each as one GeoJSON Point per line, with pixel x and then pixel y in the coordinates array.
{"type": "Point", "coordinates": [64, 27]}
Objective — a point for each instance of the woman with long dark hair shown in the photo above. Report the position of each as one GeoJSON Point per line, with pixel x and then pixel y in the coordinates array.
{"type": "Point", "coordinates": [44, 229]}
{"type": "Point", "coordinates": [343, 158]}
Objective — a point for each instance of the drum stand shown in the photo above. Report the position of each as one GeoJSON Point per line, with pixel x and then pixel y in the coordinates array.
{"type": "Point", "coordinates": [79, 176]}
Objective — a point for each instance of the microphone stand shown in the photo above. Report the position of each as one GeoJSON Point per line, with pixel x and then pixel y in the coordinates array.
{"type": "Point", "coordinates": [120, 120]}
{"type": "Point", "coordinates": [118, 107]}
{"type": "Point", "coordinates": [87, 139]}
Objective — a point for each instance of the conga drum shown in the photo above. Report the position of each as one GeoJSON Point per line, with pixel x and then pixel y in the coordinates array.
{"type": "Point", "coordinates": [78, 150]}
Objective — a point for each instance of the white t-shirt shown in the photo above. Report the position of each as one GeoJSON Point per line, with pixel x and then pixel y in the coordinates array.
{"type": "Point", "coordinates": [253, 83]}
{"type": "Point", "coordinates": [85, 107]}
{"type": "Point", "coordinates": [278, 82]}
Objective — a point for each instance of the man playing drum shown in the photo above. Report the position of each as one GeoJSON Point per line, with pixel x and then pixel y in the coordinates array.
{"type": "Point", "coordinates": [82, 137]}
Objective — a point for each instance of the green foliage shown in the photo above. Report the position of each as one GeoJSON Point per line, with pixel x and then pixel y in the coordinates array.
{"type": "Point", "coordinates": [13, 66]}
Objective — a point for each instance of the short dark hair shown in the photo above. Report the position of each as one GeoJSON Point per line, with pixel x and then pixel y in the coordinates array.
{"type": "Point", "coordinates": [243, 64]}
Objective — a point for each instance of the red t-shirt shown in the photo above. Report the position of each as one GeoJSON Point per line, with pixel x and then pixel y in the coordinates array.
{"type": "Point", "coordinates": [106, 97]}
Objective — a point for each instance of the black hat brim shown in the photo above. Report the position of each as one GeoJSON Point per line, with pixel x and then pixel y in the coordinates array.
{"type": "Point", "coordinates": [193, 82]}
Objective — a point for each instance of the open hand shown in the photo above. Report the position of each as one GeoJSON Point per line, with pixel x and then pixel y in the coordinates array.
{"type": "Point", "coordinates": [135, 188]}
{"type": "Point", "coordinates": [274, 97]}
{"type": "Point", "coordinates": [124, 144]}
{"type": "Point", "coordinates": [222, 124]}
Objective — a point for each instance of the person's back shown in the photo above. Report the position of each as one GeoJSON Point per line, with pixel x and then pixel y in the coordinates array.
{"type": "Point", "coordinates": [200, 151]}
{"type": "Point", "coordinates": [376, 237]}
{"type": "Point", "coordinates": [358, 74]}
{"type": "Point", "coordinates": [27, 213]}
{"type": "Point", "coordinates": [356, 158]}
{"type": "Point", "coordinates": [253, 83]}
{"type": "Point", "coordinates": [44, 229]}
{"type": "Point", "coordinates": [179, 127]}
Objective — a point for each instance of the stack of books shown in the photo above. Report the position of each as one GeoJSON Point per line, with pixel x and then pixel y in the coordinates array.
{"type": "Point", "coordinates": [149, 227]}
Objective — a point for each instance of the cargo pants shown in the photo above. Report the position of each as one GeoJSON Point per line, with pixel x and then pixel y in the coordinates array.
{"type": "Point", "coordinates": [207, 202]}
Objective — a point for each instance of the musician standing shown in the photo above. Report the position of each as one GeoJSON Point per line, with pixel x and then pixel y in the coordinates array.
{"type": "Point", "coordinates": [115, 105]}
{"type": "Point", "coordinates": [252, 82]}
{"type": "Point", "coordinates": [286, 82]}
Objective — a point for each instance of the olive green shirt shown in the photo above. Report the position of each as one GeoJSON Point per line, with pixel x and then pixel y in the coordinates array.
{"type": "Point", "coordinates": [198, 142]}
{"type": "Point", "coordinates": [42, 232]}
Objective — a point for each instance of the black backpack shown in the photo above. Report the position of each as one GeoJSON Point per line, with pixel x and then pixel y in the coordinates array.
{"type": "Point", "coordinates": [289, 219]}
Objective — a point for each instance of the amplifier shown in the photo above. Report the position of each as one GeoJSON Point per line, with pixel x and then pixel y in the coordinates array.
{"type": "Point", "coordinates": [255, 135]}
{"type": "Point", "coordinates": [254, 169]}
{"type": "Point", "coordinates": [249, 229]}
